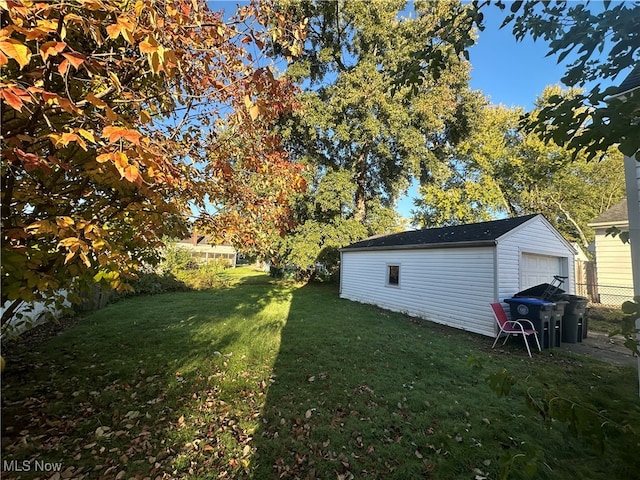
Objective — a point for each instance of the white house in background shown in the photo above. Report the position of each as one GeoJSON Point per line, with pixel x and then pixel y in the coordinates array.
{"type": "Point", "coordinates": [203, 251]}
{"type": "Point", "coordinates": [450, 275]}
{"type": "Point", "coordinates": [613, 257]}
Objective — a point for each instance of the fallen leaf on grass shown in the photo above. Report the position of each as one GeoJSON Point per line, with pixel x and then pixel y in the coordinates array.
{"type": "Point", "coordinates": [132, 414]}
{"type": "Point", "coordinates": [103, 431]}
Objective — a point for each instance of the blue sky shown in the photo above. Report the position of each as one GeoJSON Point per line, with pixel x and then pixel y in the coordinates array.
{"type": "Point", "coordinates": [509, 72]}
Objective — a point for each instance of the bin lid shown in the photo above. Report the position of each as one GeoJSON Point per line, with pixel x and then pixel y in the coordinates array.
{"type": "Point", "coordinates": [528, 301]}
{"type": "Point", "coordinates": [573, 298]}
{"type": "Point", "coordinates": [539, 290]}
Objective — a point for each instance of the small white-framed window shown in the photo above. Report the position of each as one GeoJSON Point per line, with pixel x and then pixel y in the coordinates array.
{"type": "Point", "coordinates": [393, 275]}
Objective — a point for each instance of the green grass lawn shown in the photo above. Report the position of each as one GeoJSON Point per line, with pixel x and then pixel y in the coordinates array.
{"type": "Point", "coordinates": [273, 380]}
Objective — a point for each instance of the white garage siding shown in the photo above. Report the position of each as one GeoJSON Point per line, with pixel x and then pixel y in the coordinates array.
{"type": "Point", "coordinates": [536, 238]}
{"type": "Point", "coordinates": [450, 275]}
{"type": "Point", "coordinates": [452, 286]}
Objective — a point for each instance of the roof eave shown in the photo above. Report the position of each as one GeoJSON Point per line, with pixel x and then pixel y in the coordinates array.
{"type": "Point", "coordinates": [614, 223]}
{"type": "Point", "coordinates": [424, 246]}
{"type": "Point", "coordinates": [621, 95]}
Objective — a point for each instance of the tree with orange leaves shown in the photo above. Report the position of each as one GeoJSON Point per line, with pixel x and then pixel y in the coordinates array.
{"type": "Point", "coordinates": [119, 118]}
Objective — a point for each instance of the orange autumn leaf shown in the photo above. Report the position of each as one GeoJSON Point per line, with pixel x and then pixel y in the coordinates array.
{"type": "Point", "coordinates": [132, 173]}
{"type": "Point", "coordinates": [64, 222]}
{"type": "Point", "coordinates": [52, 48]}
{"type": "Point", "coordinates": [64, 139]}
{"type": "Point", "coordinates": [254, 111]}
{"type": "Point", "coordinates": [17, 50]}
{"type": "Point", "coordinates": [75, 59]}
{"type": "Point", "coordinates": [123, 26]}
{"type": "Point", "coordinates": [146, 47]}
{"type": "Point", "coordinates": [150, 45]}
{"type": "Point", "coordinates": [104, 157]}
{"type": "Point", "coordinates": [11, 98]}
{"type": "Point", "coordinates": [113, 30]}
{"type": "Point", "coordinates": [95, 101]}
{"type": "Point", "coordinates": [63, 67]}
{"type": "Point", "coordinates": [116, 133]}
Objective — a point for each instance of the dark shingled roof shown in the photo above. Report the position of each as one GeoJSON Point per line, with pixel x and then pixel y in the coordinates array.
{"type": "Point", "coordinates": [473, 233]}
{"type": "Point", "coordinates": [617, 213]}
{"type": "Point", "coordinates": [631, 82]}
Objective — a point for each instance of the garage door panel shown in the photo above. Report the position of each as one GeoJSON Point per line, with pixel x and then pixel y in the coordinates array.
{"type": "Point", "coordinates": [537, 269]}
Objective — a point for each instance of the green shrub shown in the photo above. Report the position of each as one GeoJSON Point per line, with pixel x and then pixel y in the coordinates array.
{"type": "Point", "coordinates": [151, 283]}
{"type": "Point", "coordinates": [205, 276]}
{"type": "Point", "coordinates": [174, 259]}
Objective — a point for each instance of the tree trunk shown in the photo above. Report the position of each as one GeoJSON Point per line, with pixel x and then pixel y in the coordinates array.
{"type": "Point", "coordinates": [360, 174]}
{"type": "Point", "coordinates": [583, 238]}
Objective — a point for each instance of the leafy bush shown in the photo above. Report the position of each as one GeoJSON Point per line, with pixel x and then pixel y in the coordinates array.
{"type": "Point", "coordinates": [152, 283]}
{"type": "Point", "coordinates": [175, 259]}
{"type": "Point", "coordinates": [207, 275]}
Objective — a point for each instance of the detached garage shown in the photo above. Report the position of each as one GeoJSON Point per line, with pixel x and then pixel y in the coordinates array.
{"type": "Point", "coordinates": [450, 275]}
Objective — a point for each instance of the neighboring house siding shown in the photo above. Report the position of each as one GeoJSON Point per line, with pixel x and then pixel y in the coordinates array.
{"type": "Point", "coordinates": [613, 263]}
{"type": "Point", "coordinates": [452, 286]}
{"type": "Point", "coordinates": [534, 237]}
{"type": "Point", "coordinates": [204, 252]}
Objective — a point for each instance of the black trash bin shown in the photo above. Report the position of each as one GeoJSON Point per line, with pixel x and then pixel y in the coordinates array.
{"type": "Point", "coordinates": [577, 304]}
{"type": "Point", "coordinates": [539, 312]}
{"type": "Point", "coordinates": [555, 326]}
{"type": "Point", "coordinates": [575, 318]}
{"type": "Point", "coordinates": [572, 328]}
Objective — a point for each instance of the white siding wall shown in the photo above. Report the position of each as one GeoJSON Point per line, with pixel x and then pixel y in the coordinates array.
{"type": "Point", "coordinates": [453, 286]}
{"type": "Point", "coordinates": [632, 176]}
{"type": "Point", "coordinates": [534, 237]}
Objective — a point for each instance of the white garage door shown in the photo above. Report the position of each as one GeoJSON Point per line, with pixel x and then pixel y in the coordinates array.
{"type": "Point", "coordinates": [537, 269]}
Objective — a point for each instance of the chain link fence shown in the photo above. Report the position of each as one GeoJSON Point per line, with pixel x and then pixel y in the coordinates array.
{"type": "Point", "coordinates": [607, 295]}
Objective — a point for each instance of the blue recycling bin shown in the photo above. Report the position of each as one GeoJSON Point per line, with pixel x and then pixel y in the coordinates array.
{"type": "Point", "coordinates": [539, 312]}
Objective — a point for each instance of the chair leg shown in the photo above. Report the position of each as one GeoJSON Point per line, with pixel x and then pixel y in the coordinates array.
{"type": "Point", "coordinates": [496, 340]}
{"type": "Point", "coordinates": [506, 338]}
{"type": "Point", "coordinates": [526, 343]}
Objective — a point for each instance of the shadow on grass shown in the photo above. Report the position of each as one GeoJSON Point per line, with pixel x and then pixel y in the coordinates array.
{"type": "Point", "coordinates": [355, 394]}
{"type": "Point", "coordinates": [360, 392]}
